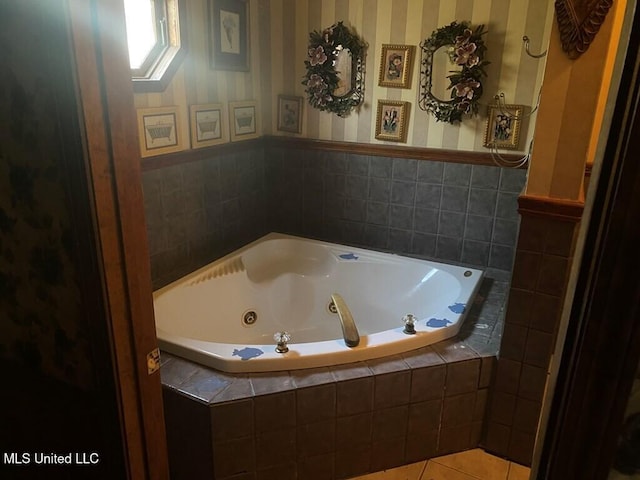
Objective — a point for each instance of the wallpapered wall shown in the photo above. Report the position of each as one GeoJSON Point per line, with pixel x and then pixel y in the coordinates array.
{"type": "Point", "coordinates": [278, 41]}
{"type": "Point", "coordinates": [41, 317]}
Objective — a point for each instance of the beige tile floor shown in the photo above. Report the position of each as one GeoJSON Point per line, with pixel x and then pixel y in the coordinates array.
{"type": "Point", "coordinates": [470, 465]}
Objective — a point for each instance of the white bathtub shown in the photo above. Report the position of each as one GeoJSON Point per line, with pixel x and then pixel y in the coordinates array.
{"type": "Point", "coordinates": [285, 283]}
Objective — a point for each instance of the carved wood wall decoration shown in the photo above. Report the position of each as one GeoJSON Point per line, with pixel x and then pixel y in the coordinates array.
{"type": "Point", "coordinates": [579, 21]}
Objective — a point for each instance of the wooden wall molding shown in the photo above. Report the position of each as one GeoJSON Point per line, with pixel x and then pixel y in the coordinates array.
{"type": "Point", "coordinates": [558, 208]}
{"type": "Point", "coordinates": [379, 150]}
{"type": "Point", "coordinates": [384, 150]}
{"type": "Point", "coordinates": [186, 156]}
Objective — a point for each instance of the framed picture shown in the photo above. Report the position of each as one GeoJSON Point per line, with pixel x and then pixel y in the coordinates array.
{"type": "Point", "coordinates": [208, 125]}
{"type": "Point", "coordinates": [244, 120]}
{"type": "Point", "coordinates": [395, 66]}
{"type": "Point", "coordinates": [158, 130]}
{"type": "Point", "coordinates": [289, 114]}
{"type": "Point", "coordinates": [392, 120]}
{"type": "Point", "coordinates": [229, 34]}
{"type": "Point", "coordinates": [503, 126]}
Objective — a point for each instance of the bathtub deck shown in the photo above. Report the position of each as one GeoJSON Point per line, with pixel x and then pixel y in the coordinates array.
{"type": "Point", "coordinates": [386, 394]}
{"type": "Point", "coordinates": [480, 335]}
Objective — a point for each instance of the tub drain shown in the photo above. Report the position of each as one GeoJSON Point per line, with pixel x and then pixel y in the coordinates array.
{"type": "Point", "coordinates": [249, 318]}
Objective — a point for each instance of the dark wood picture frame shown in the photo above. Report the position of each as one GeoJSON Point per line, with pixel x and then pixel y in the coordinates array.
{"type": "Point", "coordinates": [229, 34]}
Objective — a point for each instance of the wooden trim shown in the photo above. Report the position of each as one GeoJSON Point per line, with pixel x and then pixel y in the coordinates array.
{"type": "Point", "coordinates": [395, 151]}
{"type": "Point", "coordinates": [558, 208]}
{"type": "Point", "coordinates": [379, 150]}
{"type": "Point", "coordinates": [106, 109]}
{"type": "Point", "coordinates": [186, 156]}
{"type": "Point", "coordinates": [588, 167]}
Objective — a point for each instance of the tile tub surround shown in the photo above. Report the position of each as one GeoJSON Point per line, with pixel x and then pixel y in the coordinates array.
{"type": "Point", "coordinates": [329, 422]}
{"type": "Point", "coordinates": [443, 211]}
{"type": "Point", "coordinates": [340, 421]}
{"type": "Point", "coordinates": [199, 210]}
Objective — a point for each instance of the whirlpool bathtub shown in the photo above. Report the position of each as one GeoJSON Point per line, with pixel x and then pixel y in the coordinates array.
{"type": "Point", "coordinates": [225, 314]}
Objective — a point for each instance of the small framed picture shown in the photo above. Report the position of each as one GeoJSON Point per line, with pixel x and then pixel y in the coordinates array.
{"type": "Point", "coordinates": [208, 125]}
{"type": "Point", "coordinates": [289, 114]}
{"type": "Point", "coordinates": [229, 34]}
{"type": "Point", "coordinates": [395, 66]}
{"type": "Point", "coordinates": [158, 130]}
{"type": "Point", "coordinates": [244, 120]}
{"type": "Point", "coordinates": [503, 126]}
{"type": "Point", "coordinates": [392, 120]}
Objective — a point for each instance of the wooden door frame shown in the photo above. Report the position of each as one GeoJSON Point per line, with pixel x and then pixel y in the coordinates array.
{"type": "Point", "coordinates": [602, 346]}
{"type": "Point", "coordinates": [106, 111]}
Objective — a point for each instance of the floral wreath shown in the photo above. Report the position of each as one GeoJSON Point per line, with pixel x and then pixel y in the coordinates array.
{"type": "Point", "coordinates": [466, 50]}
{"type": "Point", "coordinates": [322, 78]}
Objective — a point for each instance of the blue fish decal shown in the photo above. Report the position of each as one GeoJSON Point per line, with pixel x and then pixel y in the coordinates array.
{"type": "Point", "coordinates": [457, 307]}
{"type": "Point", "coordinates": [247, 353]}
{"type": "Point", "coordinates": [437, 322]}
{"type": "Point", "coordinates": [349, 256]}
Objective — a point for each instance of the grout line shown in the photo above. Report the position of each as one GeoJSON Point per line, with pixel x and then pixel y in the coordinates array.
{"type": "Point", "coordinates": [435, 460]}
{"type": "Point", "coordinates": [424, 467]}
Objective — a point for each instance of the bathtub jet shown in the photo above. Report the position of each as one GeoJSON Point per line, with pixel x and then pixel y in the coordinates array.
{"type": "Point", "coordinates": [284, 284]}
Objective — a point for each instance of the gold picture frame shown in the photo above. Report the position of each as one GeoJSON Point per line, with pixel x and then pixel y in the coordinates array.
{"type": "Point", "coordinates": [244, 120]}
{"type": "Point", "coordinates": [502, 129]}
{"type": "Point", "coordinates": [392, 119]}
{"type": "Point", "coordinates": [396, 64]}
{"type": "Point", "coordinates": [208, 124]}
{"type": "Point", "coordinates": [159, 131]}
{"type": "Point", "coordinates": [289, 114]}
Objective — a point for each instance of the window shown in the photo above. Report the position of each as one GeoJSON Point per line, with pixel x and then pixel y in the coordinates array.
{"type": "Point", "coordinates": [155, 40]}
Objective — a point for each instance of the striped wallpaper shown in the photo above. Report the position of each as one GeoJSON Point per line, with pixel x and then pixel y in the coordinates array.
{"type": "Point", "coordinates": [278, 41]}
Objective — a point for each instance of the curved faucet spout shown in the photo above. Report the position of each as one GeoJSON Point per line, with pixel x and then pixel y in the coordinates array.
{"type": "Point", "coordinates": [349, 329]}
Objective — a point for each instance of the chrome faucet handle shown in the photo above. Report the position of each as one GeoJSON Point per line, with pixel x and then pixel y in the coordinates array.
{"type": "Point", "coordinates": [409, 324]}
{"type": "Point", "coordinates": [282, 338]}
